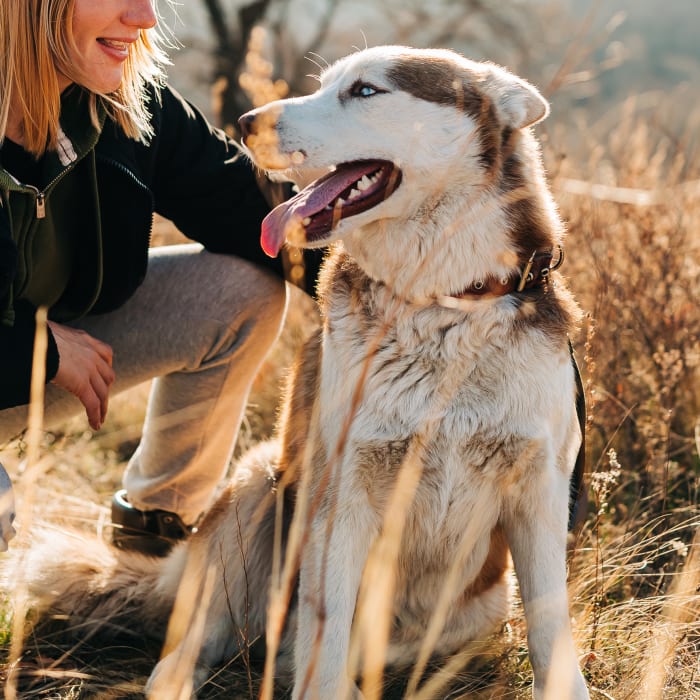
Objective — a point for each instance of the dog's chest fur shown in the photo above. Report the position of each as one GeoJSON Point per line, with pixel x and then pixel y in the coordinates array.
{"type": "Point", "coordinates": [431, 384]}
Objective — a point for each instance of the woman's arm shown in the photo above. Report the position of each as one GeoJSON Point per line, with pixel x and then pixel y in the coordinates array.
{"type": "Point", "coordinates": [203, 182]}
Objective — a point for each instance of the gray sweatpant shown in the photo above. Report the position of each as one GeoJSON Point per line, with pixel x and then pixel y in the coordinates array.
{"type": "Point", "coordinates": [201, 325]}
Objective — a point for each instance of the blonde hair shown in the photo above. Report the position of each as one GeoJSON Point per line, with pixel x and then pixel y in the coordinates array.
{"type": "Point", "coordinates": [35, 40]}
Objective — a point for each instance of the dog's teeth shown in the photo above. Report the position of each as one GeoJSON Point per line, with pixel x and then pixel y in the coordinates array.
{"type": "Point", "coordinates": [306, 220]}
{"type": "Point", "coordinates": [364, 183]}
{"type": "Point", "coordinates": [353, 193]}
{"type": "Point", "coordinates": [339, 202]}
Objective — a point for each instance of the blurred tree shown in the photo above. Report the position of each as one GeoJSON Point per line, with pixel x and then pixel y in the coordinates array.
{"type": "Point", "coordinates": [229, 53]}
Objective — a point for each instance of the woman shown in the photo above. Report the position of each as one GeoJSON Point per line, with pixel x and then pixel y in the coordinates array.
{"type": "Point", "coordinates": [91, 144]}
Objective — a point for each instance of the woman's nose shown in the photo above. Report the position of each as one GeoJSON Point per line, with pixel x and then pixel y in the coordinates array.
{"type": "Point", "coordinates": [140, 13]}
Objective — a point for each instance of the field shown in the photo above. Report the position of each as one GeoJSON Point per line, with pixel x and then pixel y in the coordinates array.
{"type": "Point", "coordinates": [629, 188]}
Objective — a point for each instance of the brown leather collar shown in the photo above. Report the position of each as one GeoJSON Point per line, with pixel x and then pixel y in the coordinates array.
{"type": "Point", "coordinates": [534, 274]}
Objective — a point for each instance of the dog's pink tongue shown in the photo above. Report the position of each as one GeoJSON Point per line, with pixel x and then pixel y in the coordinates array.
{"type": "Point", "coordinates": [314, 198]}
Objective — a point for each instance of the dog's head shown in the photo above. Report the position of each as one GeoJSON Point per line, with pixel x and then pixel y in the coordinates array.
{"type": "Point", "coordinates": [394, 130]}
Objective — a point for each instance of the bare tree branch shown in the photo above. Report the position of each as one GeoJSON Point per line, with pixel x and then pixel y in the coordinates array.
{"type": "Point", "coordinates": [231, 101]}
{"type": "Point", "coordinates": [217, 19]}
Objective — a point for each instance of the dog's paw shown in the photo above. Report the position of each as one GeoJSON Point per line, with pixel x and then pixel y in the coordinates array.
{"type": "Point", "coordinates": [168, 681]}
{"type": "Point", "coordinates": [351, 692]}
{"type": "Point", "coordinates": [560, 690]}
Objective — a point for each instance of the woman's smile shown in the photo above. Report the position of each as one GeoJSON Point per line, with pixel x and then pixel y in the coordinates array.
{"type": "Point", "coordinates": [104, 34]}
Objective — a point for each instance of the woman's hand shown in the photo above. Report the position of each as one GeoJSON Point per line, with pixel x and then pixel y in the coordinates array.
{"type": "Point", "coordinates": [84, 369]}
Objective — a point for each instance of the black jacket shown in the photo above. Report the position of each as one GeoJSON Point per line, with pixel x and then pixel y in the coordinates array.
{"type": "Point", "coordinates": [189, 172]}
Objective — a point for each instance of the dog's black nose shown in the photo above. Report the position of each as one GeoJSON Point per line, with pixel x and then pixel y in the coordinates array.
{"type": "Point", "coordinates": [246, 123]}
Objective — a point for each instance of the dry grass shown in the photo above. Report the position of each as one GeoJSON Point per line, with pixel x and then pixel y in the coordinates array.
{"type": "Point", "coordinates": [631, 195]}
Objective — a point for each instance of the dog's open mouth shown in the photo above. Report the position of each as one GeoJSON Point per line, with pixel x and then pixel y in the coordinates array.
{"type": "Point", "coordinates": [313, 213]}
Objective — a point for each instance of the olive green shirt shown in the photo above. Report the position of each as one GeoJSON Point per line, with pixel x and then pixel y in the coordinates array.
{"type": "Point", "coordinates": [47, 236]}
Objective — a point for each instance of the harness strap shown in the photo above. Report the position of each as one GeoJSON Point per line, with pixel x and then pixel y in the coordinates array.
{"type": "Point", "coordinates": [578, 492]}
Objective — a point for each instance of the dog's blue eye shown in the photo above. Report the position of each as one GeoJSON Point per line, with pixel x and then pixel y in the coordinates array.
{"type": "Point", "coordinates": [360, 89]}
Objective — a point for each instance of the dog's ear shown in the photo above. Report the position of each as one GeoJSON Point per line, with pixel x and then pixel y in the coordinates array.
{"type": "Point", "coordinates": [518, 103]}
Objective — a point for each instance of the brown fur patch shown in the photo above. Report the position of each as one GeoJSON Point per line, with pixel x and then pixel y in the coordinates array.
{"type": "Point", "coordinates": [436, 80]}
{"type": "Point", "coordinates": [529, 226]}
{"type": "Point", "coordinates": [492, 571]}
{"type": "Point", "coordinates": [439, 80]}
{"type": "Point", "coordinates": [551, 309]}
{"type": "Point", "coordinates": [378, 464]}
{"type": "Point", "coordinates": [296, 415]}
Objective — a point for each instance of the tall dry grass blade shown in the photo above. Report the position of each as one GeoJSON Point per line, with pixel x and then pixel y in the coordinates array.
{"type": "Point", "coordinates": [437, 683]}
{"type": "Point", "coordinates": [375, 601]}
{"type": "Point", "coordinates": [283, 577]}
{"type": "Point", "coordinates": [475, 530]}
{"type": "Point", "coordinates": [186, 622]}
{"type": "Point", "coordinates": [36, 401]}
{"type": "Point", "coordinates": [31, 472]}
{"type": "Point", "coordinates": [277, 606]}
{"type": "Point", "coordinates": [682, 605]}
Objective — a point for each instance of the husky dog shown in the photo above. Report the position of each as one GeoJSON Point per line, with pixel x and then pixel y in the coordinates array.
{"type": "Point", "coordinates": [429, 430]}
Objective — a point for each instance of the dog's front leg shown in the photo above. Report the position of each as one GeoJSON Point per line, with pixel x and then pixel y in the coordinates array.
{"type": "Point", "coordinates": [331, 570]}
{"type": "Point", "coordinates": [535, 526]}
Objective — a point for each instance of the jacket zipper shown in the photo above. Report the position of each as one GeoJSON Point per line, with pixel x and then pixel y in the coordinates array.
{"type": "Point", "coordinates": [40, 204]}
{"type": "Point", "coordinates": [40, 195]}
